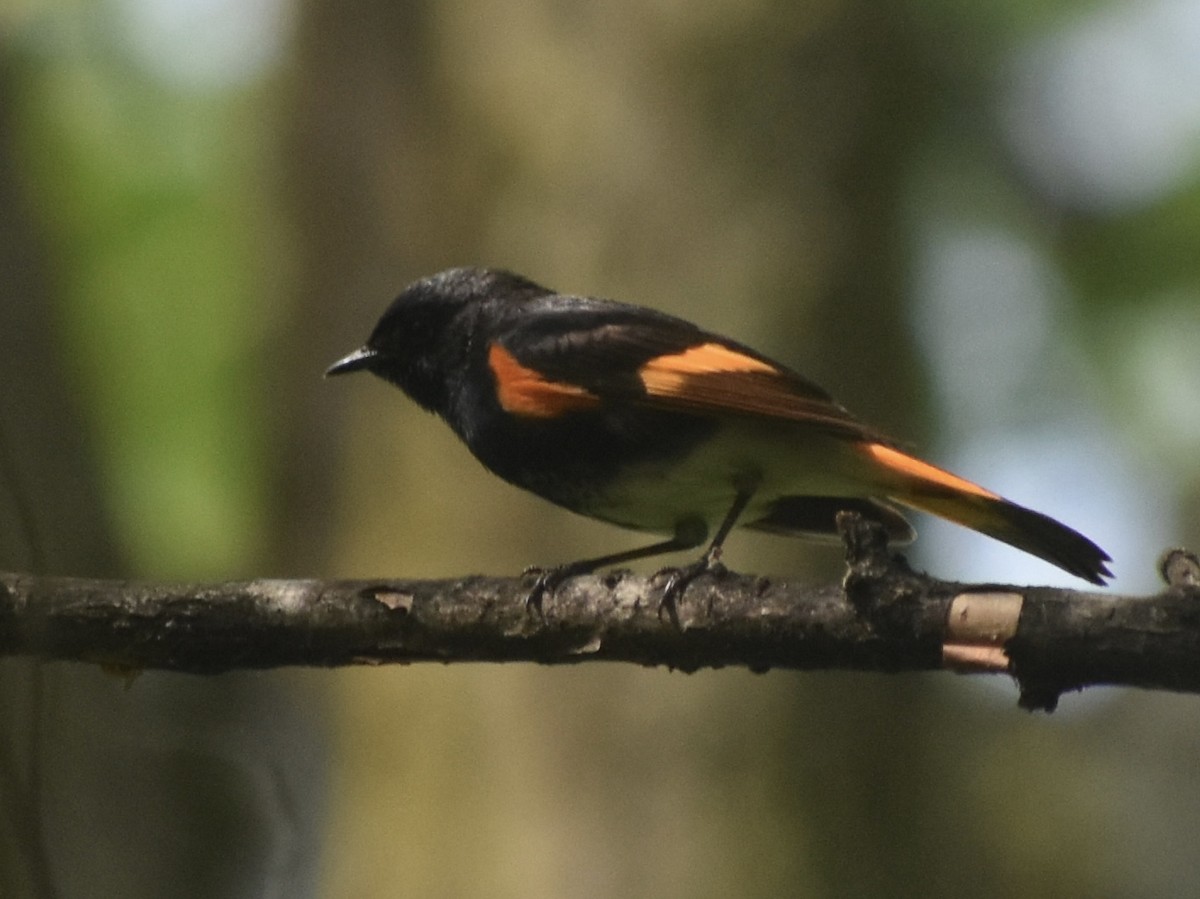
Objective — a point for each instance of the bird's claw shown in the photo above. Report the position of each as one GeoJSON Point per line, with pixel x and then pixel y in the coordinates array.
{"type": "Point", "coordinates": [679, 579]}
{"type": "Point", "coordinates": [544, 580]}
{"type": "Point", "coordinates": [547, 580]}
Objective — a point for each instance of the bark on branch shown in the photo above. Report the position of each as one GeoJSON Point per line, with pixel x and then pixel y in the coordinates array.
{"type": "Point", "coordinates": [883, 617]}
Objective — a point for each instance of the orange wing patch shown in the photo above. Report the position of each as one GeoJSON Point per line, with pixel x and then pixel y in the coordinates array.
{"type": "Point", "coordinates": [667, 375]}
{"type": "Point", "coordinates": [714, 378]}
{"type": "Point", "coordinates": [523, 391]}
{"type": "Point", "coordinates": [906, 465]}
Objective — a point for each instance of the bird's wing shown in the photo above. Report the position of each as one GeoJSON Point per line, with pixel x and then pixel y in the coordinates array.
{"type": "Point", "coordinates": [587, 354]}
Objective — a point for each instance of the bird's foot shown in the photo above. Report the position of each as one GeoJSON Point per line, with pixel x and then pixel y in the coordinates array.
{"type": "Point", "coordinates": [679, 579]}
{"type": "Point", "coordinates": [547, 580]}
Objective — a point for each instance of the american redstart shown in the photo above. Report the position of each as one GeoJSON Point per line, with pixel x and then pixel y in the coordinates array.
{"type": "Point", "coordinates": [645, 420]}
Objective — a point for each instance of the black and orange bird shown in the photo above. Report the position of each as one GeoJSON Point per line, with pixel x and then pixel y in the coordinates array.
{"type": "Point", "coordinates": [647, 421]}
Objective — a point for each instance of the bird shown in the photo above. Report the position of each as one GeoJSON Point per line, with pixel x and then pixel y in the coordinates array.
{"type": "Point", "coordinates": [647, 421]}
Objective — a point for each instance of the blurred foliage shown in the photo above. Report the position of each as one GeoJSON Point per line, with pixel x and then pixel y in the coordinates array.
{"type": "Point", "coordinates": [853, 187]}
{"type": "Point", "coordinates": [152, 201]}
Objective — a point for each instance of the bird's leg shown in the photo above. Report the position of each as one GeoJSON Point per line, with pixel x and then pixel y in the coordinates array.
{"type": "Point", "coordinates": [549, 579]}
{"type": "Point", "coordinates": [679, 578]}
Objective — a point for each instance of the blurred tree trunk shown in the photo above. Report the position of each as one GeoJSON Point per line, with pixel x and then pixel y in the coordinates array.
{"type": "Point", "coordinates": [372, 201]}
{"type": "Point", "coordinates": [878, 105]}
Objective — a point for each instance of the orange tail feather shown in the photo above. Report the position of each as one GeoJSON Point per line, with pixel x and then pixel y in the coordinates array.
{"type": "Point", "coordinates": [922, 486]}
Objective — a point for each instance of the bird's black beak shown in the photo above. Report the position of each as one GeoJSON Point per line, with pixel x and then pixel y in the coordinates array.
{"type": "Point", "coordinates": [356, 361]}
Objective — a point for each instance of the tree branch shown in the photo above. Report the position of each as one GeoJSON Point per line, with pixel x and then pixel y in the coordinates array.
{"type": "Point", "coordinates": [883, 617]}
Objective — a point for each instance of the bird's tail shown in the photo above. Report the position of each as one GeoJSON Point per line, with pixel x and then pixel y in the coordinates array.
{"type": "Point", "coordinates": [925, 487]}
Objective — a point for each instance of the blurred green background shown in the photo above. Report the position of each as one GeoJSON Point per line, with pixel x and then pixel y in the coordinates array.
{"type": "Point", "coordinates": [977, 224]}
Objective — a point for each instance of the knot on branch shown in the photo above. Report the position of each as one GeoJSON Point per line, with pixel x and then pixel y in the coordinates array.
{"type": "Point", "coordinates": [1180, 569]}
{"type": "Point", "coordinates": [875, 576]}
